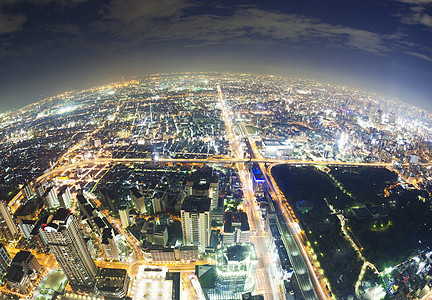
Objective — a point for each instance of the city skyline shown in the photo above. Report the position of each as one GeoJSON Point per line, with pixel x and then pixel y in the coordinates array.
{"type": "Point", "coordinates": [49, 47]}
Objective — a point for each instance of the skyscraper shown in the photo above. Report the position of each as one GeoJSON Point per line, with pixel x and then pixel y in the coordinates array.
{"type": "Point", "coordinates": [5, 259]}
{"type": "Point", "coordinates": [67, 243]}
{"type": "Point", "coordinates": [64, 196]}
{"type": "Point", "coordinates": [50, 197]}
{"type": "Point", "coordinates": [204, 183]}
{"type": "Point", "coordinates": [195, 218]}
{"type": "Point", "coordinates": [6, 215]}
{"type": "Point", "coordinates": [236, 265]}
{"type": "Point", "coordinates": [124, 217]}
{"type": "Point", "coordinates": [138, 199]}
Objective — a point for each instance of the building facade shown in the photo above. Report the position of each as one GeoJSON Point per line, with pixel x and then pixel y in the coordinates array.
{"type": "Point", "coordinates": [196, 218]}
{"type": "Point", "coordinates": [236, 265]}
{"type": "Point", "coordinates": [5, 259]}
{"type": "Point", "coordinates": [6, 216]}
{"type": "Point", "coordinates": [67, 243]}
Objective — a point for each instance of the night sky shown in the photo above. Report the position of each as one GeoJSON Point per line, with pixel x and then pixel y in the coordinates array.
{"type": "Point", "coordinates": [51, 46]}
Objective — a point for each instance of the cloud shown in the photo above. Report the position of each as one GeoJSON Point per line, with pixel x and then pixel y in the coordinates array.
{"type": "Point", "coordinates": [127, 11]}
{"type": "Point", "coordinates": [11, 22]}
{"type": "Point", "coordinates": [416, 2]}
{"type": "Point", "coordinates": [44, 2]}
{"type": "Point", "coordinates": [125, 26]}
{"type": "Point", "coordinates": [68, 28]}
{"type": "Point", "coordinates": [419, 55]}
{"type": "Point", "coordinates": [418, 14]}
{"type": "Point", "coordinates": [143, 21]}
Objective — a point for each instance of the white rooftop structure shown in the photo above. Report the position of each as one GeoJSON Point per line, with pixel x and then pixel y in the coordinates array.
{"type": "Point", "coordinates": [151, 283]}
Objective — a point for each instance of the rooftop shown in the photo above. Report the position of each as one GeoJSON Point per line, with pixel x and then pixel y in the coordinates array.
{"type": "Point", "coordinates": [196, 204]}
{"type": "Point", "coordinates": [21, 257]}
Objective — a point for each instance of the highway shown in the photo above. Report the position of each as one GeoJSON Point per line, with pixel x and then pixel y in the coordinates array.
{"type": "Point", "coordinates": [14, 203]}
{"type": "Point", "coordinates": [264, 281]}
{"type": "Point", "coordinates": [303, 269]}
{"type": "Point", "coordinates": [307, 279]}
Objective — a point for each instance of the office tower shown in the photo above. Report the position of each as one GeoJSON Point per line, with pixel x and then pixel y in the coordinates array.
{"type": "Point", "coordinates": [27, 190]}
{"type": "Point", "coordinates": [109, 245]}
{"type": "Point", "coordinates": [195, 218]}
{"type": "Point", "coordinates": [138, 199]}
{"type": "Point", "coordinates": [23, 270]}
{"type": "Point", "coordinates": [113, 283]}
{"type": "Point", "coordinates": [88, 212]}
{"type": "Point", "coordinates": [124, 217]}
{"type": "Point", "coordinates": [38, 237]}
{"type": "Point", "coordinates": [5, 233]}
{"type": "Point", "coordinates": [40, 190]}
{"type": "Point", "coordinates": [156, 202]}
{"type": "Point", "coordinates": [50, 197]}
{"type": "Point", "coordinates": [67, 243]}
{"type": "Point", "coordinates": [236, 265]}
{"type": "Point", "coordinates": [392, 118]}
{"type": "Point", "coordinates": [28, 261]}
{"type": "Point", "coordinates": [5, 259]}
{"type": "Point", "coordinates": [64, 196]}
{"type": "Point", "coordinates": [160, 235]}
{"type": "Point", "coordinates": [236, 228]}
{"type": "Point", "coordinates": [107, 198]}
{"type": "Point", "coordinates": [26, 227]}
{"type": "Point", "coordinates": [7, 218]}
{"type": "Point", "coordinates": [17, 278]}
{"type": "Point", "coordinates": [205, 184]}
{"type": "Point", "coordinates": [380, 116]}
{"type": "Point", "coordinates": [258, 182]}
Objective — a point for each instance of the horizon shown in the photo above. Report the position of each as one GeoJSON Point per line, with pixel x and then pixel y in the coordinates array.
{"type": "Point", "coordinates": [48, 47]}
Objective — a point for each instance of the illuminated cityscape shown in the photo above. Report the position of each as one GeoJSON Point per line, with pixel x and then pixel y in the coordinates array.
{"type": "Point", "coordinates": [216, 186]}
{"type": "Point", "coordinates": [215, 150]}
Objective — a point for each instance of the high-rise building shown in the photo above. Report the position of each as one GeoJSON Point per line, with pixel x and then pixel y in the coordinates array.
{"type": "Point", "coordinates": [138, 199]}
{"type": "Point", "coordinates": [195, 218]}
{"type": "Point", "coordinates": [124, 217]}
{"type": "Point", "coordinates": [205, 184]}
{"type": "Point", "coordinates": [5, 259]}
{"type": "Point", "coordinates": [258, 182]}
{"type": "Point", "coordinates": [156, 202]}
{"type": "Point", "coordinates": [38, 237]}
{"type": "Point", "coordinates": [236, 265]}
{"type": "Point", "coordinates": [392, 118]}
{"type": "Point", "coordinates": [67, 243]}
{"type": "Point", "coordinates": [6, 216]}
{"type": "Point", "coordinates": [109, 245]}
{"type": "Point", "coordinates": [28, 261]}
{"type": "Point", "coordinates": [64, 196]}
{"type": "Point", "coordinates": [107, 198]}
{"type": "Point", "coordinates": [113, 283]}
{"type": "Point", "coordinates": [26, 227]}
{"type": "Point", "coordinates": [40, 190]}
{"type": "Point", "coordinates": [28, 191]}
{"type": "Point", "coordinates": [17, 278]}
{"type": "Point", "coordinates": [50, 197]}
{"type": "Point", "coordinates": [160, 236]}
{"type": "Point", "coordinates": [236, 228]}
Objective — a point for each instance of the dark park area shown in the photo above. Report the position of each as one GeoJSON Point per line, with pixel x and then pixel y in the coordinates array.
{"type": "Point", "coordinates": [388, 220]}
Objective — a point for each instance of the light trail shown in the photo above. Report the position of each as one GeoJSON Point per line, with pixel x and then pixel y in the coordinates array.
{"type": "Point", "coordinates": [263, 277]}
